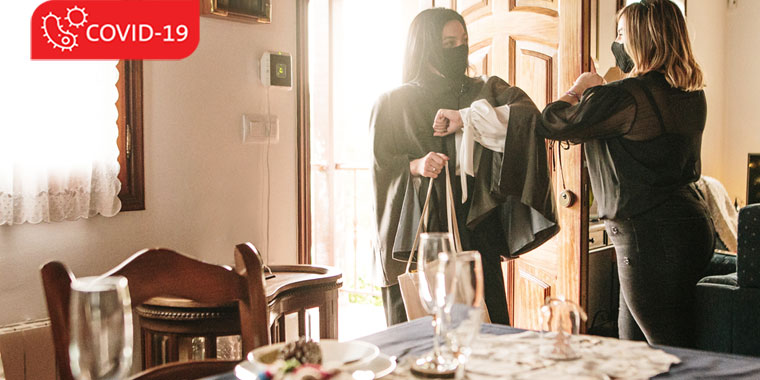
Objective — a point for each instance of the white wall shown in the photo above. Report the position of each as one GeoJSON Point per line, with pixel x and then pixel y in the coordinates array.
{"type": "Point", "coordinates": [205, 190]}
{"type": "Point", "coordinates": [742, 120]}
{"type": "Point", "coordinates": [706, 21]}
{"type": "Point", "coordinates": [724, 40]}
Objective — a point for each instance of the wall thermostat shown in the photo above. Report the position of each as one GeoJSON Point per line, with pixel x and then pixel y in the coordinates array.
{"type": "Point", "coordinates": [276, 69]}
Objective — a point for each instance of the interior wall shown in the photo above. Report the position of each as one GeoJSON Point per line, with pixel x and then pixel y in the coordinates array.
{"type": "Point", "coordinates": [742, 121]}
{"type": "Point", "coordinates": [205, 189]}
{"type": "Point", "coordinates": [706, 21]}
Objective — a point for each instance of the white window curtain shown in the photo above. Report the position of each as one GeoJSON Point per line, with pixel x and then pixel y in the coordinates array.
{"type": "Point", "coordinates": [58, 152]}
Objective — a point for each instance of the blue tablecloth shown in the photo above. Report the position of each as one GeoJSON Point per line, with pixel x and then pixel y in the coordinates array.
{"type": "Point", "coordinates": [415, 338]}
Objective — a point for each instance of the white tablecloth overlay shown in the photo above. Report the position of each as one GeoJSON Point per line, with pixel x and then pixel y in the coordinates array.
{"type": "Point", "coordinates": [516, 356]}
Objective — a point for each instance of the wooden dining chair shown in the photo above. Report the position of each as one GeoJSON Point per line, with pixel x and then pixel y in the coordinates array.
{"type": "Point", "coordinates": [166, 273]}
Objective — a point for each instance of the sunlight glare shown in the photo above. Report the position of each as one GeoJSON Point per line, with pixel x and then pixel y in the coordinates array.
{"type": "Point", "coordinates": [55, 113]}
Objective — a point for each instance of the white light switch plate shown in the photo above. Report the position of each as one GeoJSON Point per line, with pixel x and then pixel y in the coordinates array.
{"type": "Point", "coordinates": [255, 128]}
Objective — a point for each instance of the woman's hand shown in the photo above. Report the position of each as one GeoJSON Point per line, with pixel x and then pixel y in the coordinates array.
{"type": "Point", "coordinates": [446, 122]}
{"type": "Point", "coordinates": [587, 80]}
{"type": "Point", "coordinates": [430, 165]}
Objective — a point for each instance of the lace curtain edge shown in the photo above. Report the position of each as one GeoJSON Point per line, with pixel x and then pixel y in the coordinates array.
{"type": "Point", "coordinates": [72, 204]}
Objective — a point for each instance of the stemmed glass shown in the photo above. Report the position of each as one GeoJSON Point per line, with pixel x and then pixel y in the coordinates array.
{"type": "Point", "coordinates": [467, 313]}
{"type": "Point", "coordinates": [559, 320]}
{"type": "Point", "coordinates": [100, 320]}
{"type": "Point", "coordinates": [437, 271]}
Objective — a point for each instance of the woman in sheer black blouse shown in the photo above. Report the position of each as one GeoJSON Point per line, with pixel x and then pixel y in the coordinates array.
{"type": "Point", "coordinates": [642, 140]}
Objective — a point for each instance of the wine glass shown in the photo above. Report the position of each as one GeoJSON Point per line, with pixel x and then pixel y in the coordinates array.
{"type": "Point", "coordinates": [437, 271]}
{"type": "Point", "coordinates": [560, 319]}
{"type": "Point", "coordinates": [100, 320]}
{"type": "Point", "coordinates": [468, 310]}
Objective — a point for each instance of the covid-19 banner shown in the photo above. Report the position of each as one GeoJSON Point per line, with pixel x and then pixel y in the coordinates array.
{"type": "Point", "coordinates": [111, 29]}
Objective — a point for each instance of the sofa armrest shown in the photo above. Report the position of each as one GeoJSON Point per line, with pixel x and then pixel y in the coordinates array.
{"type": "Point", "coordinates": [748, 251]}
{"type": "Point", "coordinates": [725, 279]}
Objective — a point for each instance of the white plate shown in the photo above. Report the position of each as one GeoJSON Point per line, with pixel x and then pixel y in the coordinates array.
{"type": "Point", "coordinates": [381, 365]}
{"type": "Point", "coordinates": [334, 353]}
{"type": "Point", "coordinates": [356, 355]}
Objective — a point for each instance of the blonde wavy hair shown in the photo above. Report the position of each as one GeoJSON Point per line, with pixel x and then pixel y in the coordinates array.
{"type": "Point", "coordinates": [657, 40]}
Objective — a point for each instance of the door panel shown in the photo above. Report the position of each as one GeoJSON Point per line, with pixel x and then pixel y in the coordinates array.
{"type": "Point", "coordinates": [520, 41]}
{"type": "Point", "coordinates": [548, 7]}
{"type": "Point", "coordinates": [474, 9]}
{"type": "Point", "coordinates": [481, 59]}
{"type": "Point", "coordinates": [535, 286]}
{"type": "Point", "coordinates": [534, 69]}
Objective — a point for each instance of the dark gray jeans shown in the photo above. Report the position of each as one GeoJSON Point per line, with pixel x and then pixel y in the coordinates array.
{"type": "Point", "coordinates": [661, 255]}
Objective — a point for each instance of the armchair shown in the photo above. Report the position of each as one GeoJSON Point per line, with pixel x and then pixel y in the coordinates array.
{"type": "Point", "coordinates": [728, 305]}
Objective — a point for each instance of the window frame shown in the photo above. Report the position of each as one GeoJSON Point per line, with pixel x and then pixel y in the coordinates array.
{"type": "Point", "coordinates": [130, 140]}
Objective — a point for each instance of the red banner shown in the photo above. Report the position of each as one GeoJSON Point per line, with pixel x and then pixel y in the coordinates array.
{"type": "Point", "coordinates": [103, 29]}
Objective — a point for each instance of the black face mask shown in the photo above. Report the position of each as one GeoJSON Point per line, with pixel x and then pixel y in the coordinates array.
{"type": "Point", "coordinates": [622, 59]}
{"type": "Point", "coordinates": [453, 61]}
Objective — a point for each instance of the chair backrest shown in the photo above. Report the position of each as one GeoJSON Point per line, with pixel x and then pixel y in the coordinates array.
{"type": "Point", "coordinates": [166, 273]}
{"type": "Point", "coordinates": [190, 370]}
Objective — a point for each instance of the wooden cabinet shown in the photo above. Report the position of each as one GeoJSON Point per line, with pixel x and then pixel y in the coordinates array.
{"type": "Point", "coordinates": [603, 292]}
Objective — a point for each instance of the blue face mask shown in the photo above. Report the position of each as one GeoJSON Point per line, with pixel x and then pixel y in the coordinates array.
{"type": "Point", "coordinates": [622, 59]}
{"type": "Point", "coordinates": [453, 61]}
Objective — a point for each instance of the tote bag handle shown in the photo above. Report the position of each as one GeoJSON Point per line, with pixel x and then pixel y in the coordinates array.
{"type": "Point", "coordinates": [450, 215]}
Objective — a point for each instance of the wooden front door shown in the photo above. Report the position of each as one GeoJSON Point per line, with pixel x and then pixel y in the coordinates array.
{"type": "Point", "coordinates": [540, 46]}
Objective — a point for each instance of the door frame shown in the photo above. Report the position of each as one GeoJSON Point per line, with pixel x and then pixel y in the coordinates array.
{"type": "Point", "coordinates": [302, 132]}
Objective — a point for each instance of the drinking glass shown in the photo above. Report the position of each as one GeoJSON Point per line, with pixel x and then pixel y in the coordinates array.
{"type": "Point", "coordinates": [467, 312]}
{"type": "Point", "coordinates": [100, 320]}
{"type": "Point", "coordinates": [437, 280]}
{"type": "Point", "coordinates": [560, 319]}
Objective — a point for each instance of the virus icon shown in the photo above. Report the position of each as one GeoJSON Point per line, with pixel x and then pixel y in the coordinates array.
{"type": "Point", "coordinates": [56, 35]}
{"type": "Point", "coordinates": [76, 17]}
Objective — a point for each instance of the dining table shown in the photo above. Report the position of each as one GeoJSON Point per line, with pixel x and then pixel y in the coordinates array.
{"type": "Point", "coordinates": [415, 338]}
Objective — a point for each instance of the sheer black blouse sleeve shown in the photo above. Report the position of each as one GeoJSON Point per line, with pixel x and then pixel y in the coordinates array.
{"type": "Point", "coordinates": [603, 112]}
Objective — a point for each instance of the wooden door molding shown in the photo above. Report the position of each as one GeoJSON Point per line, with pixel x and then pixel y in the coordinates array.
{"type": "Point", "coordinates": [547, 7]}
{"type": "Point", "coordinates": [538, 289]}
{"type": "Point", "coordinates": [470, 9]}
{"type": "Point", "coordinates": [540, 59]}
{"type": "Point", "coordinates": [473, 9]}
{"type": "Point", "coordinates": [481, 57]}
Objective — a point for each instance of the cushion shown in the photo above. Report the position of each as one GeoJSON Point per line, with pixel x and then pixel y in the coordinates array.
{"type": "Point", "coordinates": [725, 279]}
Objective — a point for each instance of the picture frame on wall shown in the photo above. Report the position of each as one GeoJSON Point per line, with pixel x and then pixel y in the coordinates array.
{"type": "Point", "coordinates": [248, 11]}
{"type": "Point", "coordinates": [753, 178]}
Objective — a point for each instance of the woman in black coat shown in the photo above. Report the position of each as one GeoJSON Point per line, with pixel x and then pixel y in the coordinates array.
{"type": "Point", "coordinates": [503, 208]}
{"type": "Point", "coordinates": [642, 140]}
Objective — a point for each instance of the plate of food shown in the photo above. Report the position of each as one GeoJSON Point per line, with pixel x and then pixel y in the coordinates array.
{"type": "Point", "coordinates": [306, 358]}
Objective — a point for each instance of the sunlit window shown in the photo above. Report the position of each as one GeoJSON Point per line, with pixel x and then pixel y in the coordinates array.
{"type": "Point", "coordinates": [58, 151]}
{"type": "Point", "coordinates": [355, 54]}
